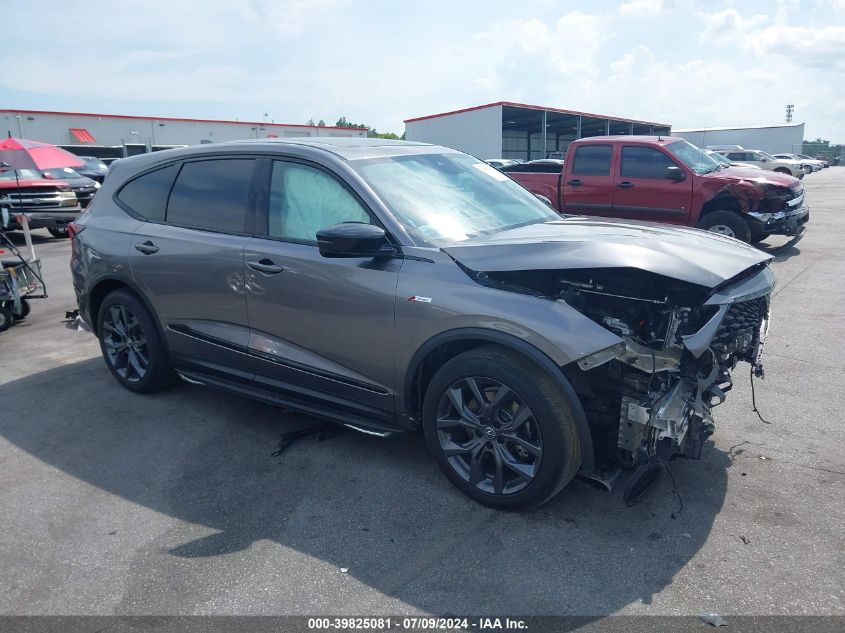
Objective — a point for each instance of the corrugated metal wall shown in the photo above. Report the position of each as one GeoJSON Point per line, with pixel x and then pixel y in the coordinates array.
{"type": "Point", "coordinates": [776, 139]}
{"type": "Point", "coordinates": [477, 132]}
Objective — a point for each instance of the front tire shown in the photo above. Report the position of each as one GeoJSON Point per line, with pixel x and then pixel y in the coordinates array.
{"type": "Point", "coordinates": [23, 312]}
{"type": "Point", "coordinates": [131, 345]}
{"type": "Point", "coordinates": [726, 223]}
{"type": "Point", "coordinates": [500, 429]}
{"type": "Point", "coordinates": [58, 231]}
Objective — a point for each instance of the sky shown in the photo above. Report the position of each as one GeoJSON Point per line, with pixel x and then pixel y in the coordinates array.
{"type": "Point", "coordinates": [378, 62]}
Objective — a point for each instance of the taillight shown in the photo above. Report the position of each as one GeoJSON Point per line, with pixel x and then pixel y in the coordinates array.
{"type": "Point", "coordinates": [74, 229]}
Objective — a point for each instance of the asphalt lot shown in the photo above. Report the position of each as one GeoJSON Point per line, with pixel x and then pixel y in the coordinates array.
{"type": "Point", "coordinates": [114, 503]}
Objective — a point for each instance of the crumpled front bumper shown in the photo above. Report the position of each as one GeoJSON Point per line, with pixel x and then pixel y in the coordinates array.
{"type": "Point", "coordinates": [792, 222]}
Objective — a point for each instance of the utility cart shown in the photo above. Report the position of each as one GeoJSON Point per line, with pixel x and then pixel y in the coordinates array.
{"type": "Point", "coordinates": [20, 277]}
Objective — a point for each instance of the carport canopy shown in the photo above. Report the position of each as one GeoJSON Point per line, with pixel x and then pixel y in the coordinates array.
{"type": "Point", "coordinates": [532, 132]}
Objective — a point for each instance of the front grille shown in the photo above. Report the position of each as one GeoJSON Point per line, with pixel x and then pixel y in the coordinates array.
{"type": "Point", "coordinates": [29, 199]}
{"type": "Point", "coordinates": [740, 327]}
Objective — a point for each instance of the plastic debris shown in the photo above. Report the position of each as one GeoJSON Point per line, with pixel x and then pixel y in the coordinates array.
{"type": "Point", "coordinates": [713, 619]}
{"type": "Point", "coordinates": [344, 570]}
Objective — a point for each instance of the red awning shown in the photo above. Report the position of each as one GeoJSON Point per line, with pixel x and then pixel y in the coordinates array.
{"type": "Point", "coordinates": [82, 135]}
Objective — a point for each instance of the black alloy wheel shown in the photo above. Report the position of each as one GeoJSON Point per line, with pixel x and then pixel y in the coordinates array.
{"type": "Point", "coordinates": [501, 429]}
{"type": "Point", "coordinates": [125, 344]}
{"type": "Point", "coordinates": [489, 435]}
{"type": "Point", "coordinates": [131, 344]}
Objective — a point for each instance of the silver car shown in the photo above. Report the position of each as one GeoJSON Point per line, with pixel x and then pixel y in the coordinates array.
{"type": "Point", "coordinates": [389, 286]}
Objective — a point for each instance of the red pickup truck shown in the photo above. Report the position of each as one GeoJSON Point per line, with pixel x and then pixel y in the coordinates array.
{"type": "Point", "coordinates": [668, 179]}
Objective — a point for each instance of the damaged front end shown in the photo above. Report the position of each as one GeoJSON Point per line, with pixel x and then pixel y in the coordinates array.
{"type": "Point", "coordinates": [651, 397]}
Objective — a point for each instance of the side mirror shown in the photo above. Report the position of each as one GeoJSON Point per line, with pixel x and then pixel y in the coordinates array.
{"type": "Point", "coordinates": [675, 173]}
{"type": "Point", "coordinates": [353, 239]}
{"type": "Point", "coordinates": [543, 198]}
{"type": "Point", "coordinates": [4, 167]}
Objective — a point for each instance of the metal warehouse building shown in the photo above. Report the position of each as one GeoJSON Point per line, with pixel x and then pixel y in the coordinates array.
{"type": "Point", "coordinates": [775, 139]}
{"type": "Point", "coordinates": [517, 130]}
{"type": "Point", "coordinates": [117, 135]}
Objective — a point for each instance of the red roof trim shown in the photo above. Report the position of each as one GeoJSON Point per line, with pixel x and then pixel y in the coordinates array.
{"type": "Point", "coordinates": [82, 135]}
{"type": "Point", "coordinates": [533, 107]}
{"type": "Point", "coordinates": [167, 118]}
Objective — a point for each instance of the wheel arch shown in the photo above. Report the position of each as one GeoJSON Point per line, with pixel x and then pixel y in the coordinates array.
{"type": "Point", "coordinates": [105, 286]}
{"type": "Point", "coordinates": [723, 201]}
{"type": "Point", "coordinates": [446, 345]}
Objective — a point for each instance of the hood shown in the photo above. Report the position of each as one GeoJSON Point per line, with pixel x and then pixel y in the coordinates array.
{"type": "Point", "coordinates": [578, 242]}
{"type": "Point", "coordinates": [6, 183]}
{"type": "Point", "coordinates": [753, 174]}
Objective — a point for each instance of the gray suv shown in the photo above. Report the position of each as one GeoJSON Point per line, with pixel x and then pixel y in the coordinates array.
{"type": "Point", "coordinates": [389, 286]}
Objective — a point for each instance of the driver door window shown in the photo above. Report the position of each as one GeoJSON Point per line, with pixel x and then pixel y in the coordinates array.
{"type": "Point", "coordinates": [304, 200]}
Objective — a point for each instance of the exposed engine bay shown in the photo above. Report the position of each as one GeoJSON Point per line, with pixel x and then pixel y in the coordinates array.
{"type": "Point", "coordinates": [652, 395]}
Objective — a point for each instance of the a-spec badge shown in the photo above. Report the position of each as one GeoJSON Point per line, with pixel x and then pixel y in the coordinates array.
{"type": "Point", "coordinates": [419, 299]}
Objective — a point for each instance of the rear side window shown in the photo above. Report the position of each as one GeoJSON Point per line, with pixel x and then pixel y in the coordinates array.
{"type": "Point", "coordinates": [736, 156]}
{"type": "Point", "coordinates": [592, 160]}
{"type": "Point", "coordinates": [146, 195]}
{"type": "Point", "coordinates": [645, 162]}
{"type": "Point", "coordinates": [213, 195]}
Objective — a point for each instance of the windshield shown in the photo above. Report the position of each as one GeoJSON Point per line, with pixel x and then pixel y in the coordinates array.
{"type": "Point", "coordinates": [445, 198]}
{"type": "Point", "coordinates": [61, 173]}
{"type": "Point", "coordinates": [693, 157]}
{"type": "Point", "coordinates": [769, 156]}
{"type": "Point", "coordinates": [22, 174]}
{"type": "Point", "coordinates": [719, 158]}
{"type": "Point", "coordinates": [94, 163]}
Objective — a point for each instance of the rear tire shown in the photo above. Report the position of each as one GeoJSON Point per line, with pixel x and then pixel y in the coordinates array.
{"type": "Point", "coordinates": [58, 231]}
{"type": "Point", "coordinates": [726, 223]}
{"type": "Point", "coordinates": [518, 448]}
{"type": "Point", "coordinates": [6, 319]}
{"type": "Point", "coordinates": [131, 345]}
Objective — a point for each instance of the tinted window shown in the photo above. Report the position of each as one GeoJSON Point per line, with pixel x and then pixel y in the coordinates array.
{"type": "Point", "coordinates": [304, 200]}
{"type": "Point", "coordinates": [147, 195]}
{"type": "Point", "coordinates": [212, 195]}
{"type": "Point", "coordinates": [592, 160]}
{"type": "Point", "coordinates": [736, 156]}
{"type": "Point", "coordinates": [645, 162]}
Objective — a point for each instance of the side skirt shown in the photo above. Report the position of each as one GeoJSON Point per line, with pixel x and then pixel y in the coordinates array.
{"type": "Point", "coordinates": [379, 423]}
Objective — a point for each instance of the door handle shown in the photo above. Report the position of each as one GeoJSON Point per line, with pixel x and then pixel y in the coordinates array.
{"type": "Point", "coordinates": [625, 185]}
{"type": "Point", "coordinates": [147, 248]}
{"type": "Point", "coordinates": [266, 266]}
{"type": "Point", "coordinates": [575, 182]}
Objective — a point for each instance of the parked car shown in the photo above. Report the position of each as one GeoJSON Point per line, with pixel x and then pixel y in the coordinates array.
{"type": "Point", "coordinates": [94, 168]}
{"type": "Point", "coordinates": [824, 160]}
{"type": "Point", "coordinates": [719, 158]}
{"type": "Point", "coordinates": [668, 179]}
{"type": "Point", "coordinates": [82, 186]}
{"type": "Point", "coordinates": [540, 165]}
{"type": "Point", "coordinates": [766, 161]}
{"type": "Point", "coordinates": [388, 285]}
{"type": "Point", "coordinates": [498, 163]}
{"type": "Point", "coordinates": [808, 164]}
{"type": "Point", "coordinates": [722, 148]}
{"type": "Point", "coordinates": [47, 204]}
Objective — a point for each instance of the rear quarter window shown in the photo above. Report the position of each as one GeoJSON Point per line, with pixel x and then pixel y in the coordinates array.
{"type": "Point", "coordinates": [592, 160]}
{"type": "Point", "coordinates": [146, 195]}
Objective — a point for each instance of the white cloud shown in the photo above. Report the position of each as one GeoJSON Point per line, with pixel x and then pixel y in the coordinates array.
{"type": "Point", "coordinates": [729, 26]}
{"type": "Point", "coordinates": [636, 8]}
